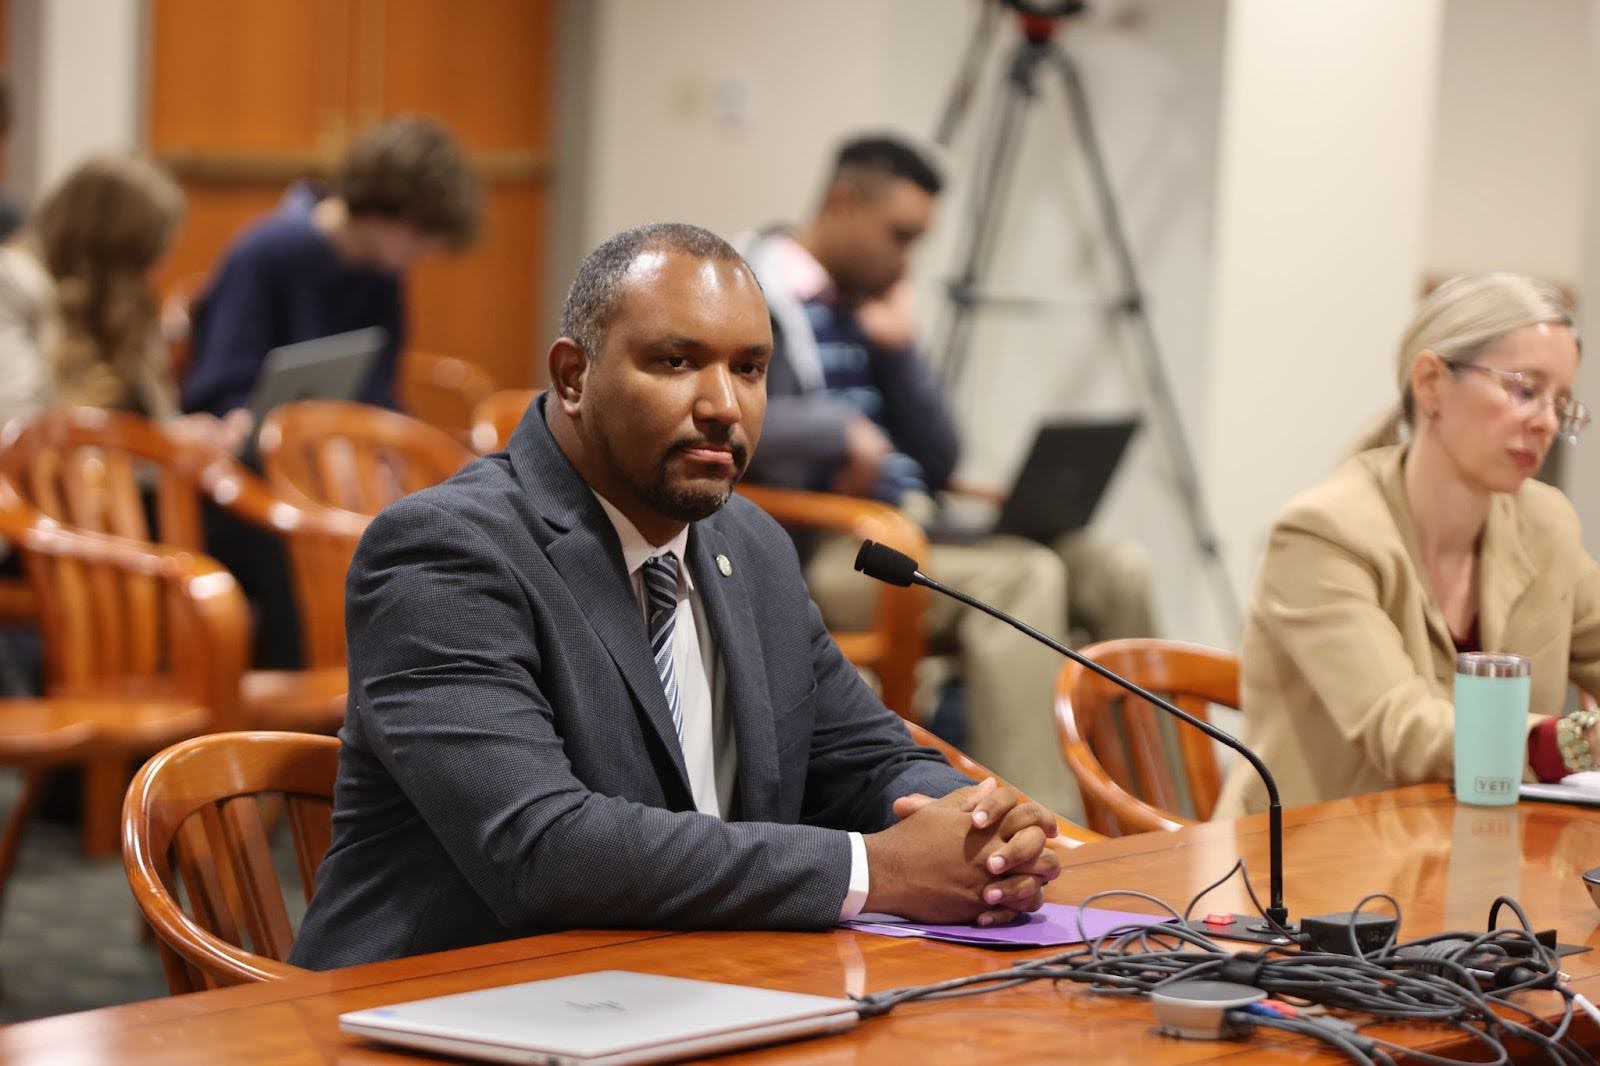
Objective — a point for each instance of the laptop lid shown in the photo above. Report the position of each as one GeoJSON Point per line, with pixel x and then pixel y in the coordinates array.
{"type": "Point", "coordinates": [1065, 476]}
{"type": "Point", "coordinates": [606, 1018]}
{"type": "Point", "coordinates": [327, 368]}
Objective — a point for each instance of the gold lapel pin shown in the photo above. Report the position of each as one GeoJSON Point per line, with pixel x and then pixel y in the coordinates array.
{"type": "Point", "coordinates": [725, 566]}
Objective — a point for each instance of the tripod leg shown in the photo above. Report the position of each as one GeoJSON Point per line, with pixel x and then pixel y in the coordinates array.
{"type": "Point", "coordinates": [995, 164]}
{"type": "Point", "coordinates": [960, 98]}
{"type": "Point", "coordinates": [1132, 305]}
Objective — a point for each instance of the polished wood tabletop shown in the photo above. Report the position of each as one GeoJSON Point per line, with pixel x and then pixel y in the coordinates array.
{"type": "Point", "coordinates": [1444, 862]}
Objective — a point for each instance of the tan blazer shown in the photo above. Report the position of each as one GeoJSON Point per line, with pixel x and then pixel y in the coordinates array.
{"type": "Point", "coordinates": [1347, 665]}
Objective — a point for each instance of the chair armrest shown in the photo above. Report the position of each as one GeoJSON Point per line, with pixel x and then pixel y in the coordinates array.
{"type": "Point", "coordinates": [1132, 813]}
{"type": "Point", "coordinates": [865, 519]}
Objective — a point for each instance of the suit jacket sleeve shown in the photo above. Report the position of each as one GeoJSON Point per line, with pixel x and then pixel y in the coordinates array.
{"type": "Point", "coordinates": [1321, 602]}
{"type": "Point", "coordinates": [862, 759]}
{"type": "Point", "coordinates": [232, 333]}
{"type": "Point", "coordinates": [445, 667]}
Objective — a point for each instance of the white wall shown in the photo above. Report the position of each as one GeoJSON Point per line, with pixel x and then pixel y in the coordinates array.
{"type": "Point", "coordinates": [1514, 183]}
{"type": "Point", "coordinates": [1583, 474]}
{"type": "Point", "coordinates": [1325, 165]}
{"type": "Point", "coordinates": [77, 68]}
{"type": "Point", "coordinates": [724, 112]}
{"type": "Point", "coordinates": [1510, 166]}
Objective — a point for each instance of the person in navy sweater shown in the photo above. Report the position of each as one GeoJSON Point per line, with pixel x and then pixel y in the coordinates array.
{"type": "Point", "coordinates": [334, 259]}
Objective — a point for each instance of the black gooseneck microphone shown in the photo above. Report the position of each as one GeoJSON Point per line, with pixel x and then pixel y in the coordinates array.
{"type": "Point", "coordinates": [896, 568]}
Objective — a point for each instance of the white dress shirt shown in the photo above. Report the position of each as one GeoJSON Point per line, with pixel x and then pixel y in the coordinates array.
{"type": "Point", "coordinates": [710, 749]}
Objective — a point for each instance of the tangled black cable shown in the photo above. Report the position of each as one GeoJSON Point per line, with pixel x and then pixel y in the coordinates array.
{"type": "Point", "coordinates": [1459, 980]}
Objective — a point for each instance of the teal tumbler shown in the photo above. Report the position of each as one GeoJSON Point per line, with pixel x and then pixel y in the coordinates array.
{"type": "Point", "coordinates": [1491, 726]}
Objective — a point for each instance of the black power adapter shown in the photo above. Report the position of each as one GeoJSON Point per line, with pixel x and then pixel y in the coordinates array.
{"type": "Point", "coordinates": [1342, 934]}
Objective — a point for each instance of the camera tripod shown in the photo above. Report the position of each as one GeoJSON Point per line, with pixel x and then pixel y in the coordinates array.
{"type": "Point", "coordinates": [994, 170]}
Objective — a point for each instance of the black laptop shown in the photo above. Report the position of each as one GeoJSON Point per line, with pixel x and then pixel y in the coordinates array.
{"type": "Point", "coordinates": [1059, 487]}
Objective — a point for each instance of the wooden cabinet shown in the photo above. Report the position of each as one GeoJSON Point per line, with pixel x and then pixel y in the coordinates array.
{"type": "Point", "coordinates": [248, 95]}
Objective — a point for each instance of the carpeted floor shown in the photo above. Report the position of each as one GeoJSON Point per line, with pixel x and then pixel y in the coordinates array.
{"type": "Point", "coordinates": [70, 931]}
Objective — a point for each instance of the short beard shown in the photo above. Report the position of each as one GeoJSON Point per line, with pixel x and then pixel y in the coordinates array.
{"type": "Point", "coordinates": [684, 504]}
{"type": "Point", "coordinates": [681, 504]}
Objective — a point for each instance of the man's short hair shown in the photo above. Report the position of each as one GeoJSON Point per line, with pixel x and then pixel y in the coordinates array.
{"type": "Point", "coordinates": [409, 169]}
{"type": "Point", "coordinates": [597, 287]}
{"type": "Point", "coordinates": [887, 156]}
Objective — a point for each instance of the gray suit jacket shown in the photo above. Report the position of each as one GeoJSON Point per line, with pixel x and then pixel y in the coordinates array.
{"type": "Point", "coordinates": [509, 764]}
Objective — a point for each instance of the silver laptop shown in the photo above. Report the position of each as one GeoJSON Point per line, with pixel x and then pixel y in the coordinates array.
{"type": "Point", "coordinates": [327, 368]}
{"type": "Point", "coordinates": [607, 1018]}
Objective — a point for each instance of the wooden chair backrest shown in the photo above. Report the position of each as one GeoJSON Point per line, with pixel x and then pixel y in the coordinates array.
{"type": "Point", "coordinates": [897, 641]}
{"type": "Point", "coordinates": [1114, 741]}
{"type": "Point", "coordinates": [494, 419]}
{"type": "Point", "coordinates": [93, 470]}
{"type": "Point", "coordinates": [352, 456]}
{"type": "Point", "coordinates": [442, 390]}
{"type": "Point", "coordinates": [194, 814]}
{"type": "Point", "coordinates": [124, 618]}
{"type": "Point", "coordinates": [88, 467]}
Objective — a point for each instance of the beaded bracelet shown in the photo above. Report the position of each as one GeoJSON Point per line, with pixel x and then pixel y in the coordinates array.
{"type": "Point", "coordinates": [1572, 738]}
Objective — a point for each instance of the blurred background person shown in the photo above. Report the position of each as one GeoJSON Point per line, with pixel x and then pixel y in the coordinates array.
{"type": "Point", "coordinates": [78, 317]}
{"type": "Point", "coordinates": [1412, 552]}
{"type": "Point", "coordinates": [331, 260]}
{"type": "Point", "coordinates": [855, 407]}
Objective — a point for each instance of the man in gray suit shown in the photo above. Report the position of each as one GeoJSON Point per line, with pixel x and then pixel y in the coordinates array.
{"type": "Point", "coordinates": [588, 687]}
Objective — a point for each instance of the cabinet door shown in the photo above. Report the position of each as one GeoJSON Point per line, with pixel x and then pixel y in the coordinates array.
{"type": "Point", "coordinates": [485, 69]}
{"type": "Point", "coordinates": [249, 95]}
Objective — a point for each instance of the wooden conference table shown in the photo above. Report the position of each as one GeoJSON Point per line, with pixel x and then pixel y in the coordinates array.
{"type": "Point", "coordinates": [1443, 862]}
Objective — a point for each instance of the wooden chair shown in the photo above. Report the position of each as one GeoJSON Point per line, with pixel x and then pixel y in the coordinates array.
{"type": "Point", "coordinates": [91, 469]}
{"type": "Point", "coordinates": [894, 645]}
{"type": "Point", "coordinates": [442, 391]}
{"type": "Point", "coordinates": [194, 814]}
{"type": "Point", "coordinates": [1114, 741]}
{"type": "Point", "coordinates": [146, 645]}
{"type": "Point", "coordinates": [354, 457]}
{"type": "Point", "coordinates": [496, 417]}
{"type": "Point", "coordinates": [1072, 835]}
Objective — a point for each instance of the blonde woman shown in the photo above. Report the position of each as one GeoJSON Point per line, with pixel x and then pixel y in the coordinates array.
{"type": "Point", "coordinates": [78, 320]}
{"type": "Point", "coordinates": [1410, 552]}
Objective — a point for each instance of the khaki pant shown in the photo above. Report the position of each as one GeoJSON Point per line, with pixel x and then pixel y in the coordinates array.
{"type": "Point", "coordinates": [1111, 589]}
{"type": "Point", "coordinates": [1009, 678]}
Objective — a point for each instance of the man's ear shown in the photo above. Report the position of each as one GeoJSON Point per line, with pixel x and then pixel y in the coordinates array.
{"type": "Point", "coordinates": [569, 370]}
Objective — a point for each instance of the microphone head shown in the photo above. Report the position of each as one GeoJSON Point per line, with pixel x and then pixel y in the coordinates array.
{"type": "Point", "coordinates": [885, 564]}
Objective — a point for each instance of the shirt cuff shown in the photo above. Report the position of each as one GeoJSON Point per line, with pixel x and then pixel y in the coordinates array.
{"type": "Point", "coordinates": [856, 899]}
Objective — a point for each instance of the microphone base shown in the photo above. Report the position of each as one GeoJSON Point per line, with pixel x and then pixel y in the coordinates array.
{"type": "Point", "coordinates": [1249, 928]}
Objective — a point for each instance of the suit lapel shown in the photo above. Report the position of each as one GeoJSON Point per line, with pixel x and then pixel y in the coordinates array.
{"type": "Point", "coordinates": [746, 698]}
{"type": "Point", "coordinates": [1505, 572]}
{"type": "Point", "coordinates": [589, 558]}
{"type": "Point", "coordinates": [1392, 481]}
{"type": "Point", "coordinates": [590, 563]}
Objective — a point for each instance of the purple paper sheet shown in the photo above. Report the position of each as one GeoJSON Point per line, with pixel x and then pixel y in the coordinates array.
{"type": "Point", "coordinates": [1051, 925]}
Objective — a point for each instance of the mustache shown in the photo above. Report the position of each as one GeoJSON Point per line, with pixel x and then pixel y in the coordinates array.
{"type": "Point", "coordinates": [737, 449]}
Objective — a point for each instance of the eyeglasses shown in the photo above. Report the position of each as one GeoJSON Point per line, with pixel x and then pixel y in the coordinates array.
{"type": "Point", "coordinates": [1528, 398]}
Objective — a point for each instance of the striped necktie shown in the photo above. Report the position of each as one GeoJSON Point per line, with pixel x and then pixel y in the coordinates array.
{"type": "Point", "coordinates": [661, 600]}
